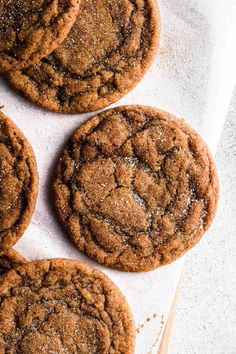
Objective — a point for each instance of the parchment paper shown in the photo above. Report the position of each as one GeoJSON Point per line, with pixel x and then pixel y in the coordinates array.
{"type": "Point", "coordinates": [193, 76]}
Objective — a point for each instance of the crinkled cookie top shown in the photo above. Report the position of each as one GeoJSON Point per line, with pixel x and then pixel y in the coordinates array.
{"type": "Point", "coordinates": [135, 188]}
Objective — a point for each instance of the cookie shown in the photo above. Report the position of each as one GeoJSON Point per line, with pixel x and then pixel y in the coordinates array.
{"type": "Point", "coordinates": [135, 188]}
{"type": "Point", "coordinates": [107, 52]}
{"type": "Point", "coordinates": [10, 259]}
{"type": "Point", "coordinates": [30, 30]}
{"type": "Point", "coordinates": [63, 306]}
{"type": "Point", "coordinates": [18, 183]}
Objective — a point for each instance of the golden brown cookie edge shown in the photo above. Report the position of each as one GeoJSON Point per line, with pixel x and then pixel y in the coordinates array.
{"type": "Point", "coordinates": [10, 239]}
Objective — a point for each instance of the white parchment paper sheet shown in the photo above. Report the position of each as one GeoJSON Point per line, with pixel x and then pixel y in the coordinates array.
{"type": "Point", "coordinates": [193, 76]}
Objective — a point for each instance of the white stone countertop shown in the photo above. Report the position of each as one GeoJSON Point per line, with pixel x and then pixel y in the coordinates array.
{"type": "Point", "coordinates": [205, 319]}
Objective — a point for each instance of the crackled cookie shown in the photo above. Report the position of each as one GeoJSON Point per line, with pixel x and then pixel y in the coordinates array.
{"type": "Point", "coordinates": [10, 259]}
{"type": "Point", "coordinates": [105, 55]}
{"type": "Point", "coordinates": [135, 188]}
{"type": "Point", "coordinates": [18, 183]}
{"type": "Point", "coordinates": [30, 30]}
{"type": "Point", "coordinates": [63, 306]}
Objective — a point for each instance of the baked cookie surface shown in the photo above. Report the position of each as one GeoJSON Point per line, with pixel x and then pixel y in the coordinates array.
{"type": "Point", "coordinates": [30, 30]}
{"type": "Point", "coordinates": [18, 183]}
{"type": "Point", "coordinates": [107, 52]}
{"type": "Point", "coordinates": [135, 188]}
{"type": "Point", "coordinates": [63, 306]}
{"type": "Point", "coordinates": [10, 259]}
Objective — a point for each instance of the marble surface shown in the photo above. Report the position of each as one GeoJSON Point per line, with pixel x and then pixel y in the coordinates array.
{"type": "Point", "coordinates": [205, 320]}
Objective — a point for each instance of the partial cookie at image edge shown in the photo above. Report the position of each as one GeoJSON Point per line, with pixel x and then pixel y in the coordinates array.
{"type": "Point", "coordinates": [57, 84]}
{"type": "Point", "coordinates": [30, 46]}
{"type": "Point", "coordinates": [19, 183]}
{"type": "Point", "coordinates": [90, 306]}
